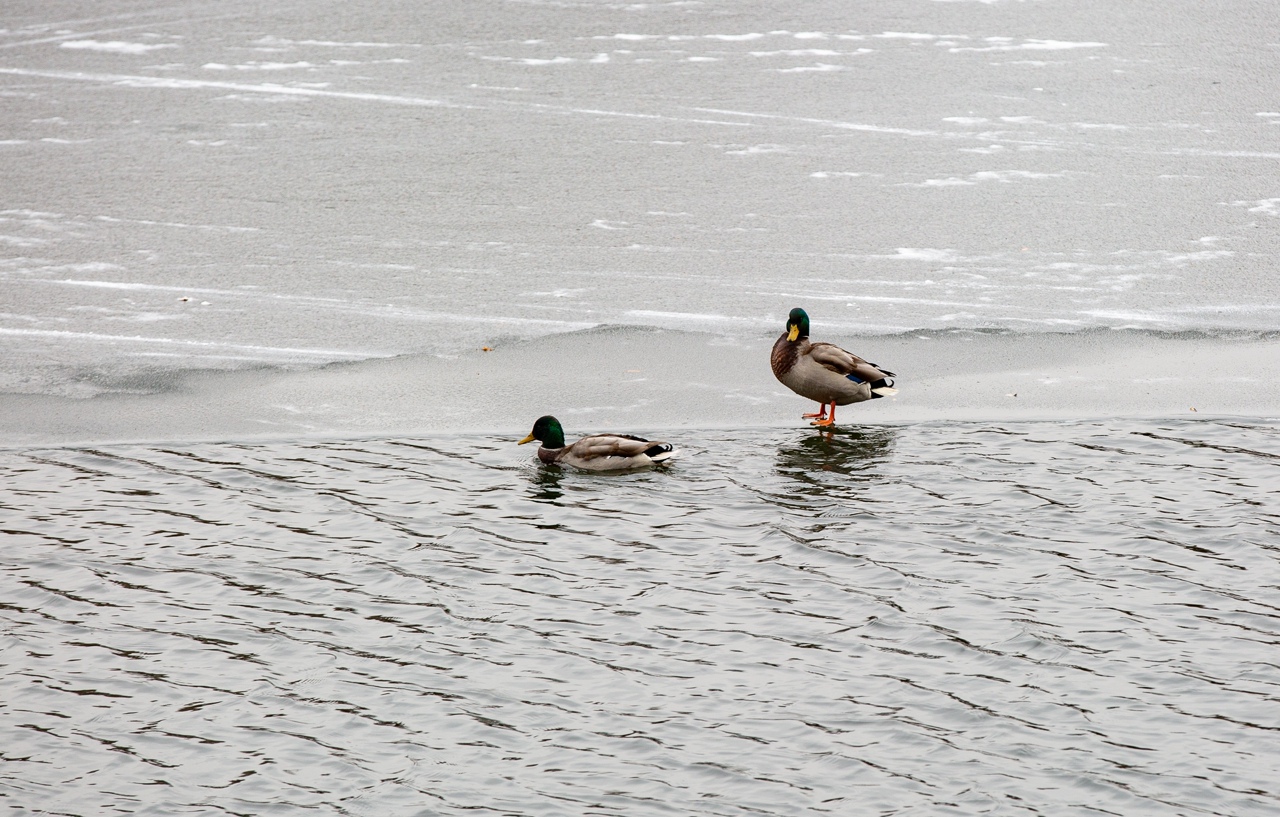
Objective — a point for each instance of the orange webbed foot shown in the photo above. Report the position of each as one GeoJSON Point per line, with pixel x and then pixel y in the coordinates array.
{"type": "Point", "coordinates": [825, 417]}
{"type": "Point", "coordinates": [821, 413]}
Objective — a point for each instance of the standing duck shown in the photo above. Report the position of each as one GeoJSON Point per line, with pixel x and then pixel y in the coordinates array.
{"type": "Point", "coordinates": [597, 452]}
{"type": "Point", "coordinates": [824, 372]}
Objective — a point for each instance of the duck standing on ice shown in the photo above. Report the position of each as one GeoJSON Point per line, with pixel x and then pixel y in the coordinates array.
{"type": "Point", "coordinates": [824, 372]}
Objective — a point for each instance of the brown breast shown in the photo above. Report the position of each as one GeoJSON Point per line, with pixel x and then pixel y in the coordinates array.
{"type": "Point", "coordinates": [784, 356]}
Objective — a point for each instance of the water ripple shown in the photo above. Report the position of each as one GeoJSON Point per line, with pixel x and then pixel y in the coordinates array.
{"type": "Point", "coordinates": [1026, 618]}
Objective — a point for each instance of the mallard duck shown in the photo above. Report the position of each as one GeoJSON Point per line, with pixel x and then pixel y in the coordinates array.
{"type": "Point", "coordinates": [824, 372]}
{"type": "Point", "coordinates": [597, 452]}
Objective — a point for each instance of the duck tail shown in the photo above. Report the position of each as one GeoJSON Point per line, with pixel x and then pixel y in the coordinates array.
{"type": "Point", "coordinates": [661, 452]}
{"type": "Point", "coordinates": [883, 387]}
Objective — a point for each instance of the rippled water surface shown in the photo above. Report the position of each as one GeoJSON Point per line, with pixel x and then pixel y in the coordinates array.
{"type": "Point", "coordinates": [1036, 618]}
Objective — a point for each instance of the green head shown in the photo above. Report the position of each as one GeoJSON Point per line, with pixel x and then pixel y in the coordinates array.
{"type": "Point", "coordinates": [797, 324]}
{"type": "Point", "coordinates": [546, 430]}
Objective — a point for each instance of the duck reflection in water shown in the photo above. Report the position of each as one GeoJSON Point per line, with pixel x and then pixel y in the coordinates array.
{"type": "Point", "coordinates": [850, 452]}
{"type": "Point", "coordinates": [545, 484]}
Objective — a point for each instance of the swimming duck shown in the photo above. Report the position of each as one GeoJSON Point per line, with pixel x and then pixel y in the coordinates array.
{"type": "Point", "coordinates": [597, 452]}
{"type": "Point", "coordinates": [824, 372]}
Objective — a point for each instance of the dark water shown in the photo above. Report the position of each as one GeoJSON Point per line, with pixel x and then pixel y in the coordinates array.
{"type": "Point", "coordinates": [959, 618]}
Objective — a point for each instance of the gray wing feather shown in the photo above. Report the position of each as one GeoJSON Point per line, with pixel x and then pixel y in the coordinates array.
{"type": "Point", "coordinates": [610, 445]}
{"type": "Point", "coordinates": [842, 362]}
